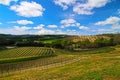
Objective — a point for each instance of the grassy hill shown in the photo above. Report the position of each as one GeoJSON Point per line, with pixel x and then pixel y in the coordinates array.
{"type": "Point", "coordinates": [98, 64]}
{"type": "Point", "coordinates": [66, 63]}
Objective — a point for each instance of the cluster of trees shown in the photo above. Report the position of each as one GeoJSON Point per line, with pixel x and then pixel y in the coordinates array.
{"type": "Point", "coordinates": [114, 39]}
{"type": "Point", "coordinates": [29, 43]}
{"type": "Point", "coordinates": [7, 42]}
{"type": "Point", "coordinates": [100, 42]}
{"type": "Point", "coordinates": [26, 40]}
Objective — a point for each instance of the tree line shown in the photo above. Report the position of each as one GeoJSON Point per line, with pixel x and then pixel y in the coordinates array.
{"type": "Point", "coordinates": [114, 39]}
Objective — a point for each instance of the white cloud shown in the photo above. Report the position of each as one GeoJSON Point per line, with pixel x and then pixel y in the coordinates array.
{"type": "Point", "coordinates": [52, 26]}
{"type": "Point", "coordinates": [83, 28]}
{"type": "Point", "coordinates": [73, 23]}
{"type": "Point", "coordinates": [116, 27]}
{"type": "Point", "coordinates": [72, 32]}
{"type": "Point", "coordinates": [87, 7]}
{"type": "Point", "coordinates": [69, 22]}
{"type": "Point", "coordinates": [64, 3]}
{"type": "Point", "coordinates": [102, 31]}
{"type": "Point", "coordinates": [62, 26]}
{"type": "Point", "coordinates": [28, 9]}
{"type": "Point", "coordinates": [59, 32]}
{"type": "Point", "coordinates": [111, 20]}
{"type": "Point", "coordinates": [7, 2]}
{"type": "Point", "coordinates": [83, 7]}
{"type": "Point", "coordinates": [17, 30]}
{"type": "Point", "coordinates": [22, 22]}
{"type": "Point", "coordinates": [39, 26]}
{"type": "Point", "coordinates": [23, 28]}
{"type": "Point", "coordinates": [46, 31]}
{"type": "Point", "coordinates": [0, 23]}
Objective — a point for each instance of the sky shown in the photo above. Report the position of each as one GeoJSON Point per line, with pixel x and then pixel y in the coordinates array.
{"type": "Point", "coordinates": [48, 17]}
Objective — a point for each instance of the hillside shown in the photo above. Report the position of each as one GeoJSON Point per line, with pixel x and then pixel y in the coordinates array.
{"type": "Point", "coordinates": [60, 57]}
{"type": "Point", "coordinates": [82, 38]}
{"type": "Point", "coordinates": [99, 64]}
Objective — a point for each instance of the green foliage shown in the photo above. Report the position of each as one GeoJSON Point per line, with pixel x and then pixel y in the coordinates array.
{"type": "Point", "coordinates": [101, 42]}
{"type": "Point", "coordinates": [116, 39]}
{"type": "Point", "coordinates": [2, 48]}
{"type": "Point", "coordinates": [84, 44]}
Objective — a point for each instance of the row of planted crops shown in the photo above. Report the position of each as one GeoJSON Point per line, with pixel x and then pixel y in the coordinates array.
{"type": "Point", "coordinates": [19, 59]}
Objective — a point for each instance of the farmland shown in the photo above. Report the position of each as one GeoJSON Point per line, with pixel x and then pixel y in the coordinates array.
{"type": "Point", "coordinates": [18, 59]}
{"type": "Point", "coordinates": [24, 53]}
{"type": "Point", "coordinates": [82, 38]}
{"type": "Point", "coordinates": [31, 62]}
{"type": "Point", "coordinates": [97, 64]}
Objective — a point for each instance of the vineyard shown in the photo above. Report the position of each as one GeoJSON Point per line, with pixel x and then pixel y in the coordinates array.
{"type": "Point", "coordinates": [97, 64]}
{"type": "Point", "coordinates": [26, 52]}
{"type": "Point", "coordinates": [19, 59]}
{"type": "Point", "coordinates": [82, 38]}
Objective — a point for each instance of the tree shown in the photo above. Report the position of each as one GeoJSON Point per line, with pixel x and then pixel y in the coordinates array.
{"type": "Point", "coordinates": [102, 42]}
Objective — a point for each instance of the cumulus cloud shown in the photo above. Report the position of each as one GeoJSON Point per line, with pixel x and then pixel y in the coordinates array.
{"type": "Point", "coordinates": [102, 31]}
{"type": "Point", "coordinates": [72, 32]}
{"type": "Point", "coordinates": [87, 7]}
{"type": "Point", "coordinates": [111, 20]}
{"type": "Point", "coordinates": [73, 23]}
{"type": "Point", "coordinates": [56, 32]}
{"type": "Point", "coordinates": [22, 22]}
{"type": "Point", "coordinates": [64, 3]}
{"type": "Point", "coordinates": [69, 22]}
{"type": "Point", "coordinates": [115, 27]}
{"type": "Point", "coordinates": [28, 9]}
{"type": "Point", "coordinates": [82, 7]}
{"type": "Point", "coordinates": [7, 2]}
{"type": "Point", "coordinates": [23, 28]}
{"type": "Point", "coordinates": [83, 28]}
{"type": "Point", "coordinates": [46, 31]}
{"type": "Point", "coordinates": [52, 26]}
{"type": "Point", "coordinates": [39, 26]}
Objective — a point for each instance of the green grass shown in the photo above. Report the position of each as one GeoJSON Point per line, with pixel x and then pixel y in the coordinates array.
{"type": "Point", "coordinates": [90, 51]}
{"type": "Point", "coordinates": [49, 41]}
{"type": "Point", "coordinates": [104, 65]}
{"type": "Point", "coordinates": [53, 41]}
{"type": "Point", "coordinates": [24, 59]}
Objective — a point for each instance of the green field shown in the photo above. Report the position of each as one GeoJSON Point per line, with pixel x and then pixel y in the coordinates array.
{"type": "Point", "coordinates": [96, 64]}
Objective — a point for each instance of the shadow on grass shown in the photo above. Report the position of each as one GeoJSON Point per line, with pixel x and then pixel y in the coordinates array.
{"type": "Point", "coordinates": [89, 51]}
{"type": "Point", "coordinates": [24, 59]}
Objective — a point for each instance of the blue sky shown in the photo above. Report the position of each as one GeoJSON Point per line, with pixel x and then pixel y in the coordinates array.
{"type": "Point", "coordinates": [72, 17]}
